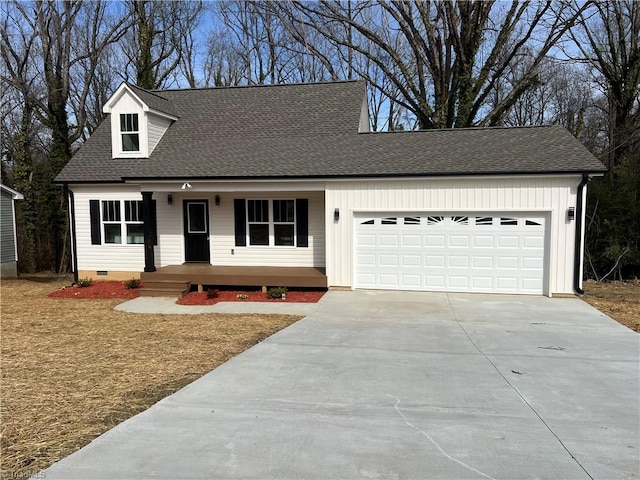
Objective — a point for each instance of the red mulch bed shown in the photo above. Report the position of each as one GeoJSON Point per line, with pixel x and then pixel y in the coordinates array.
{"type": "Point", "coordinates": [97, 290]}
{"type": "Point", "coordinates": [200, 298]}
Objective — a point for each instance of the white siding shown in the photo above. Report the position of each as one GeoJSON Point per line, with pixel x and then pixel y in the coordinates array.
{"type": "Point", "coordinates": [117, 258]}
{"type": "Point", "coordinates": [223, 234]}
{"type": "Point", "coordinates": [157, 126]}
{"type": "Point", "coordinates": [128, 104]}
{"type": "Point", "coordinates": [170, 249]}
{"type": "Point", "coordinates": [552, 195]}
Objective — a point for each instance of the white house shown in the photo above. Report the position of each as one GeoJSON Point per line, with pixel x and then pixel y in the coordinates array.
{"type": "Point", "coordinates": [281, 179]}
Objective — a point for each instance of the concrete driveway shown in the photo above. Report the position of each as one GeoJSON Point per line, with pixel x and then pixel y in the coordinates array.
{"type": "Point", "coordinates": [400, 385]}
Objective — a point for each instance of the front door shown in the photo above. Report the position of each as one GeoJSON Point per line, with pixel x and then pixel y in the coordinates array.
{"type": "Point", "coordinates": [196, 231]}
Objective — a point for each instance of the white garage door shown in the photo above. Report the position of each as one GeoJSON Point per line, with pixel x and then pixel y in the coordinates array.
{"type": "Point", "coordinates": [494, 253]}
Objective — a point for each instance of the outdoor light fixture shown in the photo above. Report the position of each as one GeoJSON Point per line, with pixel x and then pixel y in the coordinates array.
{"type": "Point", "coordinates": [217, 199]}
{"type": "Point", "coordinates": [571, 214]}
{"type": "Point", "coordinates": [169, 199]}
{"type": "Point", "coordinates": [336, 215]}
{"type": "Point", "coordinates": [185, 185]}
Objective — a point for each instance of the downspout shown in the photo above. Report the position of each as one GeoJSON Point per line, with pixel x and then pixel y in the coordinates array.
{"type": "Point", "coordinates": [577, 262]}
{"type": "Point", "coordinates": [72, 230]}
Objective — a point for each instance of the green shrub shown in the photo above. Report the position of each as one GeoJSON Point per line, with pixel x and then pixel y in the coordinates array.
{"type": "Point", "coordinates": [131, 284]}
{"type": "Point", "coordinates": [85, 282]}
{"type": "Point", "coordinates": [277, 292]}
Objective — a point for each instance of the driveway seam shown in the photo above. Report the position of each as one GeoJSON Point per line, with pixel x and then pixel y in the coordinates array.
{"type": "Point", "coordinates": [455, 317]}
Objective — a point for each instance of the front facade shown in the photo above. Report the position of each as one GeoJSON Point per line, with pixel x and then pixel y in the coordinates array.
{"type": "Point", "coordinates": [8, 241]}
{"type": "Point", "coordinates": [288, 176]}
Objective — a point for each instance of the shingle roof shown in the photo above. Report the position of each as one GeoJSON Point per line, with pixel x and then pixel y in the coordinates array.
{"type": "Point", "coordinates": [154, 101]}
{"type": "Point", "coordinates": [311, 130]}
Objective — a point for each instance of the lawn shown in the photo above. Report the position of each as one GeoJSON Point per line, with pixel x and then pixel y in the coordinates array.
{"type": "Point", "coordinates": [619, 300]}
{"type": "Point", "coordinates": [74, 368]}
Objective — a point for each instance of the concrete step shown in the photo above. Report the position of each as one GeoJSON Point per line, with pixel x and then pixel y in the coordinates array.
{"type": "Point", "coordinates": [164, 288]}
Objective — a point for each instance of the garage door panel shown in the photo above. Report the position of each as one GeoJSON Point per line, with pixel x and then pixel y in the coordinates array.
{"type": "Point", "coordinates": [458, 261]}
{"type": "Point", "coordinates": [435, 240]}
{"type": "Point", "coordinates": [366, 240]}
{"type": "Point", "coordinates": [459, 241]}
{"type": "Point", "coordinates": [482, 262]}
{"type": "Point", "coordinates": [434, 261]}
{"type": "Point", "coordinates": [410, 240]}
{"type": "Point", "coordinates": [411, 261]}
{"type": "Point", "coordinates": [502, 253]}
{"type": "Point", "coordinates": [483, 241]}
{"type": "Point", "coordinates": [458, 281]}
{"type": "Point", "coordinates": [508, 241]}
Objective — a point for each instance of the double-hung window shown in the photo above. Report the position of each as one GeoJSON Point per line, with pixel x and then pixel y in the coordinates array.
{"type": "Point", "coordinates": [271, 222]}
{"type": "Point", "coordinates": [116, 231]}
{"type": "Point", "coordinates": [129, 132]}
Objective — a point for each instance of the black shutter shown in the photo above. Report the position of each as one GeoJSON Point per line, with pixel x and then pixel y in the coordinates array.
{"type": "Point", "coordinates": [154, 223]}
{"type": "Point", "coordinates": [240, 219]}
{"type": "Point", "coordinates": [302, 222]}
{"type": "Point", "coordinates": [94, 213]}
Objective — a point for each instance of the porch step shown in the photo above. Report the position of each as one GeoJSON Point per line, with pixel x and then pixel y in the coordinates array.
{"type": "Point", "coordinates": [164, 288]}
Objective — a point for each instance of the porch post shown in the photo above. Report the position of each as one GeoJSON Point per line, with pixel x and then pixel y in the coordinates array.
{"type": "Point", "coordinates": [148, 221]}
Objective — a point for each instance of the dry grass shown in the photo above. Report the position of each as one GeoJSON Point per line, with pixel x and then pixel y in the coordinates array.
{"type": "Point", "coordinates": [73, 369]}
{"type": "Point", "coordinates": [619, 300]}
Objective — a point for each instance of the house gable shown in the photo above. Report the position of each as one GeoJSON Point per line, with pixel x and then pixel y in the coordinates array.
{"type": "Point", "coordinates": [138, 121]}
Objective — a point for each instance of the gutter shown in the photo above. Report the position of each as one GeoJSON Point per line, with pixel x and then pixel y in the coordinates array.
{"type": "Point", "coordinates": [577, 262]}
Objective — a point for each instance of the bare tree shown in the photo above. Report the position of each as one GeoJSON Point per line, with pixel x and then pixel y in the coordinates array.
{"type": "Point", "coordinates": [608, 38]}
{"type": "Point", "coordinates": [40, 54]}
{"type": "Point", "coordinates": [444, 58]}
{"type": "Point", "coordinates": [161, 41]}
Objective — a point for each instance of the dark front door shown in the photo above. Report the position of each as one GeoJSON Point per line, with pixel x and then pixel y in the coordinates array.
{"type": "Point", "coordinates": [196, 231]}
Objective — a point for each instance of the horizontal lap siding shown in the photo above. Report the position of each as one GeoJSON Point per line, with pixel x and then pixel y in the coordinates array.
{"type": "Point", "coordinates": [552, 194]}
{"type": "Point", "coordinates": [7, 245]}
{"type": "Point", "coordinates": [123, 258]}
{"type": "Point", "coordinates": [223, 238]}
{"type": "Point", "coordinates": [170, 249]}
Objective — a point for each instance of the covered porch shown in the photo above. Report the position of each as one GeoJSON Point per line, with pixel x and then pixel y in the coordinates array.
{"type": "Point", "coordinates": [177, 279]}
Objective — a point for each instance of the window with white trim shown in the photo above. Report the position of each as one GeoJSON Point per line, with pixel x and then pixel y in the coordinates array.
{"type": "Point", "coordinates": [129, 231]}
{"type": "Point", "coordinates": [129, 132]}
{"type": "Point", "coordinates": [271, 222]}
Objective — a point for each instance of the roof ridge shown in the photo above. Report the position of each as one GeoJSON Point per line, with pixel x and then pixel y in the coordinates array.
{"type": "Point", "coordinates": [229, 87]}
{"type": "Point", "coordinates": [442, 130]}
{"type": "Point", "coordinates": [150, 92]}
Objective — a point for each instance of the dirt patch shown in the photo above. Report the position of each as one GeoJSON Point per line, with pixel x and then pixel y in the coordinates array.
{"type": "Point", "coordinates": [202, 298]}
{"type": "Point", "coordinates": [72, 370]}
{"type": "Point", "coordinates": [102, 290]}
{"type": "Point", "coordinates": [619, 300]}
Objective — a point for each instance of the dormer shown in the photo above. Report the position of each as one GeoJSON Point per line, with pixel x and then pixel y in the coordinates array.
{"type": "Point", "coordinates": [139, 119]}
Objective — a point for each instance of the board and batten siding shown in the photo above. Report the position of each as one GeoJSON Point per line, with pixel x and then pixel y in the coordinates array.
{"type": "Point", "coordinates": [551, 195]}
{"type": "Point", "coordinates": [170, 248]}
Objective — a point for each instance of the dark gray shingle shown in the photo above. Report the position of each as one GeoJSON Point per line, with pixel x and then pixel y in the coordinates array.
{"type": "Point", "coordinates": [303, 131]}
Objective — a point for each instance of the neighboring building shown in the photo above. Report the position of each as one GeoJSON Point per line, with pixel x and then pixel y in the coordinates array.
{"type": "Point", "coordinates": [8, 243]}
{"type": "Point", "coordinates": [268, 177]}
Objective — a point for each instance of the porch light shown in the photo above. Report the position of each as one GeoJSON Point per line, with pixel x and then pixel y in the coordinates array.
{"type": "Point", "coordinates": [336, 215]}
{"type": "Point", "coordinates": [217, 200]}
{"type": "Point", "coordinates": [169, 199]}
{"type": "Point", "coordinates": [571, 214]}
{"type": "Point", "coordinates": [185, 185]}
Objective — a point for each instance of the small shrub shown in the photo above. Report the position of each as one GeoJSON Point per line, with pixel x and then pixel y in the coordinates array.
{"type": "Point", "coordinates": [242, 296]}
{"type": "Point", "coordinates": [131, 284]}
{"type": "Point", "coordinates": [277, 292]}
{"type": "Point", "coordinates": [85, 282]}
{"type": "Point", "coordinates": [213, 293]}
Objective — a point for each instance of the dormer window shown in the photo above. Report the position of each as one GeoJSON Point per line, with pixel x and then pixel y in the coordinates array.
{"type": "Point", "coordinates": [129, 132]}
